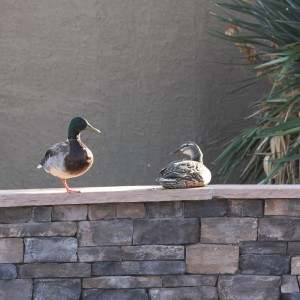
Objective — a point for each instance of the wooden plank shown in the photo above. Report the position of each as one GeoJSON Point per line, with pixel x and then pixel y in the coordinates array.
{"type": "Point", "coordinates": [35, 197]}
{"type": "Point", "coordinates": [94, 195]}
{"type": "Point", "coordinates": [253, 191]}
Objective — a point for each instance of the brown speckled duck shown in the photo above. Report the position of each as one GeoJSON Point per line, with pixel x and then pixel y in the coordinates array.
{"type": "Point", "coordinates": [186, 173]}
{"type": "Point", "coordinates": [71, 158]}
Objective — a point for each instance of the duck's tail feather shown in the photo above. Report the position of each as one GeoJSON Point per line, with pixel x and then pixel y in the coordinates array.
{"type": "Point", "coordinates": [39, 166]}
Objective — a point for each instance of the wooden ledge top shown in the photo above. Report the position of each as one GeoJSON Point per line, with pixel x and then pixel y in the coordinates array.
{"type": "Point", "coordinates": [94, 195]}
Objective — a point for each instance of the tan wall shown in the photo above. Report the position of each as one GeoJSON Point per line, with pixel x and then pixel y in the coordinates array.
{"type": "Point", "coordinates": [142, 71]}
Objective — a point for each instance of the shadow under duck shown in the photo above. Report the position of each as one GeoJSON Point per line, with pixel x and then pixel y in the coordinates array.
{"type": "Point", "coordinates": [187, 173]}
{"type": "Point", "coordinates": [71, 158]}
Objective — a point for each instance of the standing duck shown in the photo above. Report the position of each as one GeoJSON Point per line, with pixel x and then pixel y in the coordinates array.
{"type": "Point", "coordinates": [71, 158]}
{"type": "Point", "coordinates": [186, 173]}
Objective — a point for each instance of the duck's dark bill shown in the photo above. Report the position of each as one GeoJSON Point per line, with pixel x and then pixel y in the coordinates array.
{"type": "Point", "coordinates": [177, 151]}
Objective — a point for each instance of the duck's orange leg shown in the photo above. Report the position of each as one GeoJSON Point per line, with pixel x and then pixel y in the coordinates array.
{"type": "Point", "coordinates": [64, 181]}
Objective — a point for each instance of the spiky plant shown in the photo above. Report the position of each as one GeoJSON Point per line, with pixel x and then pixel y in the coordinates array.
{"type": "Point", "coordinates": [267, 33]}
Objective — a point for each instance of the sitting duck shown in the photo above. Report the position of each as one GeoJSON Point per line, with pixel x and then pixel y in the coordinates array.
{"type": "Point", "coordinates": [71, 158]}
{"type": "Point", "coordinates": [186, 173]}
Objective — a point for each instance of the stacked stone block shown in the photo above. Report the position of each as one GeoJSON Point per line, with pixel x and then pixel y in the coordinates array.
{"type": "Point", "coordinates": [207, 249]}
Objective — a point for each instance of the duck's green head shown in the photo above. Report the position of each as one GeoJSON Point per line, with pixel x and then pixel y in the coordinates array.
{"type": "Point", "coordinates": [77, 125]}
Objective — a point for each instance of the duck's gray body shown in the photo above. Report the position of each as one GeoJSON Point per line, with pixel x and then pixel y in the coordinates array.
{"type": "Point", "coordinates": [67, 159]}
{"type": "Point", "coordinates": [71, 158]}
{"type": "Point", "coordinates": [186, 173]}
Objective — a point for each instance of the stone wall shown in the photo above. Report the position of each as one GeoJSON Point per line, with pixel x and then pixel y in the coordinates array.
{"type": "Point", "coordinates": [219, 248]}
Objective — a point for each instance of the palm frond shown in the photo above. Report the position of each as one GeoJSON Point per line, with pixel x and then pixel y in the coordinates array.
{"type": "Point", "coordinates": [266, 32]}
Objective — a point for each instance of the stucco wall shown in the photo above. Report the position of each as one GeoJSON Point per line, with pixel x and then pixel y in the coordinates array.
{"type": "Point", "coordinates": [142, 71]}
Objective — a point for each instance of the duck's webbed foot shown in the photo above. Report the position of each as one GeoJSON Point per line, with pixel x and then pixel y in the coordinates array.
{"type": "Point", "coordinates": [64, 181]}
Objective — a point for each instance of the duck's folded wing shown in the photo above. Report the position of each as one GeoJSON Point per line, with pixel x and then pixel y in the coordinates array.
{"type": "Point", "coordinates": [54, 150]}
{"type": "Point", "coordinates": [179, 169]}
{"type": "Point", "coordinates": [170, 167]}
{"type": "Point", "coordinates": [175, 175]}
{"type": "Point", "coordinates": [191, 175]}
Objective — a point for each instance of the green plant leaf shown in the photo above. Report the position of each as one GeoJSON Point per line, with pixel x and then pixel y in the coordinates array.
{"type": "Point", "coordinates": [267, 30]}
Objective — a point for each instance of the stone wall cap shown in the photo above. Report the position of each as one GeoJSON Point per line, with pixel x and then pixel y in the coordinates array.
{"type": "Point", "coordinates": [117, 194]}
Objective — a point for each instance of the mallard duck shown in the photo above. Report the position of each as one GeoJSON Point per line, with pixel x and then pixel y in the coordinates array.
{"type": "Point", "coordinates": [185, 173]}
{"type": "Point", "coordinates": [71, 158]}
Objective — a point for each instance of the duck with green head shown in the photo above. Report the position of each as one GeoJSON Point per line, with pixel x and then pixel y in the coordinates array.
{"type": "Point", "coordinates": [71, 158]}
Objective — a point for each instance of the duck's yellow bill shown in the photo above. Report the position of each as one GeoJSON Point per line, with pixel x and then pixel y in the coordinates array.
{"type": "Point", "coordinates": [91, 128]}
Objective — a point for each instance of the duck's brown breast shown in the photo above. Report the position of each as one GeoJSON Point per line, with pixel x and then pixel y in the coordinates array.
{"type": "Point", "coordinates": [79, 160]}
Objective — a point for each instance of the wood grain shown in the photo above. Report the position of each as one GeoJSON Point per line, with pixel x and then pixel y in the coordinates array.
{"type": "Point", "coordinates": [93, 195]}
